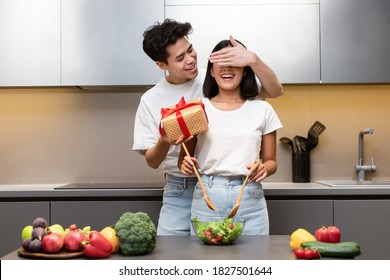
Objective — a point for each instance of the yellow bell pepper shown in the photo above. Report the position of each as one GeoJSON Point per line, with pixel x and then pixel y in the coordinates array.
{"type": "Point", "coordinates": [299, 236]}
{"type": "Point", "coordinates": [110, 234]}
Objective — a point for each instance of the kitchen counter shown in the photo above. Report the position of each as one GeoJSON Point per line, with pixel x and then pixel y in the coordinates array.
{"type": "Point", "coordinates": [155, 189]}
{"type": "Point", "coordinates": [272, 247]}
{"type": "Point", "coordinates": [290, 206]}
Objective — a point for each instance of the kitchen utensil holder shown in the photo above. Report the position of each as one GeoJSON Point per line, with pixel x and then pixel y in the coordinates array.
{"type": "Point", "coordinates": [301, 167]}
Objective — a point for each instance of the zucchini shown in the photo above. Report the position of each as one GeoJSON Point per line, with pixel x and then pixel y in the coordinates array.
{"type": "Point", "coordinates": [334, 250]}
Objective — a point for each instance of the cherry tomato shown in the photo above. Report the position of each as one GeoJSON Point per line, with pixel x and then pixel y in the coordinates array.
{"type": "Point", "coordinates": [213, 241]}
{"type": "Point", "coordinates": [299, 253]}
{"type": "Point", "coordinates": [311, 254]}
{"type": "Point", "coordinates": [208, 233]}
{"type": "Point", "coordinates": [307, 254]}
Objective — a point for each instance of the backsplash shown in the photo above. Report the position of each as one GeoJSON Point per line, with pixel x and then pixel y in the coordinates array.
{"type": "Point", "coordinates": [64, 135]}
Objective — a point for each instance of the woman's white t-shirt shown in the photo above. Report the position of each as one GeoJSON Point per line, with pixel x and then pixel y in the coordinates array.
{"type": "Point", "coordinates": [234, 137]}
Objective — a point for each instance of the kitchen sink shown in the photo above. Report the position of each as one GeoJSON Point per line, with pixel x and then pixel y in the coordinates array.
{"type": "Point", "coordinates": [354, 183]}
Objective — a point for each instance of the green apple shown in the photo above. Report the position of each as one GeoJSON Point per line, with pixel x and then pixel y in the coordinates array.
{"type": "Point", "coordinates": [57, 228]}
{"type": "Point", "coordinates": [27, 232]}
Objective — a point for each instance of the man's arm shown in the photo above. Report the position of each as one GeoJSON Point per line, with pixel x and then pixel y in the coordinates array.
{"type": "Point", "coordinates": [241, 57]}
{"type": "Point", "coordinates": [156, 154]}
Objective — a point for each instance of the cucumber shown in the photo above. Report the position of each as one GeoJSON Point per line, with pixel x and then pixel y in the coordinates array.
{"type": "Point", "coordinates": [334, 250]}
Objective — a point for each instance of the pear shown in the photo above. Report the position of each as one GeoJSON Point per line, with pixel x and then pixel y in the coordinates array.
{"type": "Point", "coordinates": [57, 228]}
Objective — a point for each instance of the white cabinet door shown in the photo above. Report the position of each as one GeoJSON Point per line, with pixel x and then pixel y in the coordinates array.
{"type": "Point", "coordinates": [102, 42]}
{"type": "Point", "coordinates": [285, 36]}
{"type": "Point", "coordinates": [30, 42]}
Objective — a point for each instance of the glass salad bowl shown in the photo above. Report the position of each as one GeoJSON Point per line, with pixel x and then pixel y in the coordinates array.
{"type": "Point", "coordinates": [215, 230]}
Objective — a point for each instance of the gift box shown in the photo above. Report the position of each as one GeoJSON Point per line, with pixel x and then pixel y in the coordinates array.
{"type": "Point", "coordinates": [185, 118]}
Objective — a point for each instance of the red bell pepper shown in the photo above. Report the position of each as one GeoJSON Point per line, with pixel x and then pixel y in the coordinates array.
{"type": "Point", "coordinates": [97, 246]}
{"type": "Point", "coordinates": [329, 234]}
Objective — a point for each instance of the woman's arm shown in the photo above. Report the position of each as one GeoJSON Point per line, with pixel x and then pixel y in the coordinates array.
{"type": "Point", "coordinates": [267, 166]}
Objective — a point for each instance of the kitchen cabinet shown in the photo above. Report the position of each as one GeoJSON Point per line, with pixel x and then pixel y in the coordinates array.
{"type": "Point", "coordinates": [288, 215]}
{"type": "Point", "coordinates": [99, 214]}
{"type": "Point", "coordinates": [30, 43]}
{"type": "Point", "coordinates": [101, 42]}
{"type": "Point", "coordinates": [14, 216]}
{"type": "Point", "coordinates": [366, 222]}
{"type": "Point", "coordinates": [355, 41]}
{"type": "Point", "coordinates": [284, 34]}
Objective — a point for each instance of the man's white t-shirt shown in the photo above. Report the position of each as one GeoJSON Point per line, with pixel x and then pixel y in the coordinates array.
{"type": "Point", "coordinates": [148, 116]}
{"type": "Point", "coordinates": [234, 137]}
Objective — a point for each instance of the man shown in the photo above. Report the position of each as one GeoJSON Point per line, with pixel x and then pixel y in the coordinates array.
{"type": "Point", "coordinates": [167, 44]}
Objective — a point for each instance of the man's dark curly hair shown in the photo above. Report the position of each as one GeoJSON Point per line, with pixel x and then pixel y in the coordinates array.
{"type": "Point", "coordinates": [161, 35]}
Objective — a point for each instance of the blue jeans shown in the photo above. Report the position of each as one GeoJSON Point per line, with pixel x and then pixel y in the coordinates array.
{"type": "Point", "coordinates": [175, 213]}
{"type": "Point", "coordinates": [223, 192]}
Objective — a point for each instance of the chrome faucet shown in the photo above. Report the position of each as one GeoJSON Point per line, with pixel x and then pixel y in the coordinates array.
{"type": "Point", "coordinates": [361, 169]}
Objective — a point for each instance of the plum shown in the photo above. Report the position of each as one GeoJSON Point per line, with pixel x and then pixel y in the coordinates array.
{"type": "Point", "coordinates": [39, 222]}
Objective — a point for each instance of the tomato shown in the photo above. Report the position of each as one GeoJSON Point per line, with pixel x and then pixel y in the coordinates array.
{"type": "Point", "coordinates": [307, 254]}
{"type": "Point", "coordinates": [219, 238]}
{"type": "Point", "coordinates": [311, 254]}
{"type": "Point", "coordinates": [213, 241]}
{"type": "Point", "coordinates": [231, 225]}
{"type": "Point", "coordinates": [208, 233]}
{"type": "Point", "coordinates": [299, 253]}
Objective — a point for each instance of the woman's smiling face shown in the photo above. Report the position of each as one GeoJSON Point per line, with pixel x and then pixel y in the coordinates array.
{"type": "Point", "coordinates": [227, 77]}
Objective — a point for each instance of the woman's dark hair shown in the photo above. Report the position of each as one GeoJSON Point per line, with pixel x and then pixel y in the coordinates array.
{"type": "Point", "coordinates": [161, 35]}
{"type": "Point", "coordinates": [248, 86]}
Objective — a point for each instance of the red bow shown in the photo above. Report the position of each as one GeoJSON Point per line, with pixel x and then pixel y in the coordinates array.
{"type": "Point", "coordinates": [179, 106]}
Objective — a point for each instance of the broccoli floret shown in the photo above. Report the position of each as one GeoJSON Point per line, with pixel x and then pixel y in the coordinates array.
{"type": "Point", "coordinates": [136, 233]}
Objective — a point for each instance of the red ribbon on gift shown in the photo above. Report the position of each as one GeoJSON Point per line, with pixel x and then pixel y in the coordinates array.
{"type": "Point", "coordinates": [179, 106]}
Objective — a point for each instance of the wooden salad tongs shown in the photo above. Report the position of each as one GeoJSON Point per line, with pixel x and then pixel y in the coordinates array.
{"type": "Point", "coordinates": [238, 202]}
{"type": "Point", "coordinates": [206, 197]}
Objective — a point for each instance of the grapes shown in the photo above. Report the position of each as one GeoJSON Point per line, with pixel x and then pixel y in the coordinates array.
{"type": "Point", "coordinates": [39, 222]}
{"type": "Point", "coordinates": [38, 233]}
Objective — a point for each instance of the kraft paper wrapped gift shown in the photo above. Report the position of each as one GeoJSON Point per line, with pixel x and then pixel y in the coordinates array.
{"type": "Point", "coordinates": [185, 118]}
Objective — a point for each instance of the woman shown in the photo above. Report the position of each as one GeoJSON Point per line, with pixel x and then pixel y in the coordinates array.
{"type": "Point", "coordinates": [239, 124]}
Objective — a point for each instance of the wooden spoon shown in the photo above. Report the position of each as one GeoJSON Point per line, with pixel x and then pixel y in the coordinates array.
{"type": "Point", "coordinates": [238, 202]}
{"type": "Point", "coordinates": [206, 197]}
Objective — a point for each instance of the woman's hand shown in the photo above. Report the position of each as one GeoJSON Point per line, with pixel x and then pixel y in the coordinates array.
{"type": "Point", "coordinates": [188, 164]}
{"type": "Point", "coordinates": [257, 172]}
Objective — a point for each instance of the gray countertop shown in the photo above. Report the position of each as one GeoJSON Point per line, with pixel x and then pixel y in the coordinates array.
{"type": "Point", "coordinates": [155, 189]}
{"type": "Point", "coordinates": [272, 247]}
